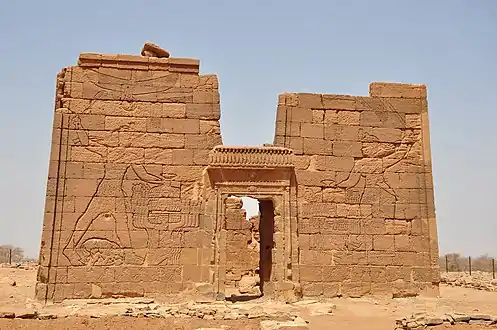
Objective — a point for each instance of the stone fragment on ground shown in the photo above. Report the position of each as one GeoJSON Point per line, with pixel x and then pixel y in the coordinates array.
{"type": "Point", "coordinates": [249, 284]}
{"type": "Point", "coordinates": [297, 324]}
{"type": "Point", "coordinates": [423, 320]}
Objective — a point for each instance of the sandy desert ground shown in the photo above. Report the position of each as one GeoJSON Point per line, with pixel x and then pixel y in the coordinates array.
{"type": "Point", "coordinates": [458, 296]}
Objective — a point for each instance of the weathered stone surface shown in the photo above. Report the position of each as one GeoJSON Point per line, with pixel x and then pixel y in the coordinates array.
{"type": "Point", "coordinates": [143, 198]}
{"type": "Point", "coordinates": [424, 320]}
{"type": "Point", "coordinates": [153, 50]}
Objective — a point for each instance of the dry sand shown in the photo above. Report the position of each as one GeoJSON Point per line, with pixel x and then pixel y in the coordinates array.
{"type": "Point", "coordinates": [365, 313]}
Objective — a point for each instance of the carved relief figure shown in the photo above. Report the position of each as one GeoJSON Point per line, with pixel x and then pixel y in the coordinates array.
{"type": "Point", "coordinates": [134, 87]}
{"type": "Point", "coordinates": [119, 230]}
{"type": "Point", "coordinates": [104, 230]}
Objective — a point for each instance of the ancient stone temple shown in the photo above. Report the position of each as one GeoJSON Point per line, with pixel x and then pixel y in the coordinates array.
{"type": "Point", "coordinates": [143, 199]}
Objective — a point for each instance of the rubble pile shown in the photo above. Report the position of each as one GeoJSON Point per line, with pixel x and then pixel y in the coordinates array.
{"type": "Point", "coordinates": [27, 265]}
{"type": "Point", "coordinates": [423, 320]}
{"type": "Point", "coordinates": [477, 280]}
{"type": "Point", "coordinates": [273, 316]}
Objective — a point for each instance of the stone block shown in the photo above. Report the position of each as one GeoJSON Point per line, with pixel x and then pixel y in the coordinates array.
{"type": "Point", "coordinates": [191, 273]}
{"type": "Point", "coordinates": [334, 163]}
{"type": "Point", "coordinates": [383, 242]}
{"type": "Point", "coordinates": [359, 242]}
{"type": "Point", "coordinates": [398, 227]}
{"type": "Point", "coordinates": [205, 111]}
{"type": "Point", "coordinates": [80, 187]}
{"type": "Point", "coordinates": [319, 209]}
{"type": "Point", "coordinates": [331, 290]}
{"type": "Point", "coordinates": [181, 126]}
{"type": "Point", "coordinates": [380, 134]}
{"type": "Point", "coordinates": [355, 289]}
{"type": "Point", "coordinates": [158, 156]}
{"type": "Point", "coordinates": [313, 257]}
{"type": "Point", "coordinates": [299, 115]}
{"type": "Point", "coordinates": [425, 274]}
{"type": "Point", "coordinates": [209, 81]}
{"type": "Point", "coordinates": [341, 226]}
{"type": "Point", "coordinates": [341, 133]}
{"type": "Point", "coordinates": [209, 127]}
{"type": "Point", "coordinates": [333, 195]}
{"type": "Point", "coordinates": [360, 273]}
{"type": "Point", "coordinates": [403, 243]}
{"type": "Point", "coordinates": [380, 258]}
{"type": "Point", "coordinates": [126, 155]}
{"type": "Point", "coordinates": [318, 178]}
{"type": "Point", "coordinates": [329, 242]}
{"type": "Point", "coordinates": [205, 142]}
{"type": "Point", "coordinates": [369, 165]}
{"type": "Point", "coordinates": [312, 289]}
{"type": "Point", "coordinates": [374, 227]}
{"type": "Point", "coordinates": [182, 156]}
{"type": "Point", "coordinates": [309, 225]}
{"type": "Point", "coordinates": [338, 102]}
{"type": "Point", "coordinates": [380, 89]}
{"type": "Point", "coordinates": [350, 258]}
{"type": "Point", "coordinates": [352, 211]}
{"type": "Point", "coordinates": [315, 146]}
{"type": "Point", "coordinates": [151, 140]}
{"type": "Point", "coordinates": [310, 101]}
{"type": "Point", "coordinates": [348, 117]}
{"type": "Point", "coordinates": [315, 131]}
{"type": "Point", "coordinates": [312, 194]}
{"type": "Point", "coordinates": [288, 129]}
{"type": "Point", "coordinates": [378, 274]}
{"type": "Point", "coordinates": [347, 149]}
{"type": "Point", "coordinates": [201, 157]}
{"type": "Point", "coordinates": [304, 241]}
{"type": "Point", "coordinates": [296, 144]}
{"type": "Point", "coordinates": [394, 273]}
{"type": "Point", "coordinates": [317, 116]}
{"type": "Point", "coordinates": [383, 119]}
{"type": "Point", "coordinates": [330, 117]}
{"type": "Point", "coordinates": [336, 273]}
{"type": "Point", "coordinates": [94, 171]}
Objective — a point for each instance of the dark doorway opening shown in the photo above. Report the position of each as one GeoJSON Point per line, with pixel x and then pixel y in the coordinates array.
{"type": "Point", "coordinates": [266, 231]}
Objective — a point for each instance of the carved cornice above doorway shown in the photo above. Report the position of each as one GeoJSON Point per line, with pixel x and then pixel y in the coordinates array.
{"type": "Point", "coordinates": [251, 166]}
{"type": "Point", "coordinates": [251, 157]}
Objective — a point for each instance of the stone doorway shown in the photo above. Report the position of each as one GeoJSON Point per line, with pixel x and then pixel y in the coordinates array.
{"type": "Point", "coordinates": [249, 248]}
{"type": "Point", "coordinates": [265, 174]}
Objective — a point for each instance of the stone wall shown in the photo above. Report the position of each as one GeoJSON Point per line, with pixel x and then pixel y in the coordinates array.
{"type": "Point", "coordinates": [138, 196]}
{"type": "Point", "coordinates": [366, 204]}
{"type": "Point", "coordinates": [123, 212]}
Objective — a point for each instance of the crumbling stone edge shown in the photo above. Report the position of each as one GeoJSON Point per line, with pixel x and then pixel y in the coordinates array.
{"type": "Point", "coordinates": [422, 320]}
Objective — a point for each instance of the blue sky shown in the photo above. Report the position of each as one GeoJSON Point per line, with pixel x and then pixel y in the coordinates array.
{"type": "Point", "coordinates": [259, 49]}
